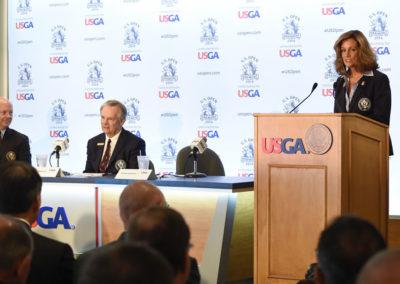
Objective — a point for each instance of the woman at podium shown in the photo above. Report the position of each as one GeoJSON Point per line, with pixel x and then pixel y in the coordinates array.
{"type": "Point", "coordinates": [361, 88]}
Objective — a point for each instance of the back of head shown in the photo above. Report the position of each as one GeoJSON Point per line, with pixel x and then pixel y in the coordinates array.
{"type": "Point", "coordinates": [382, 268]}
{"type": "Point", "coordinates": [20, 184]}
{"type": "Point", "coordinates": [126, 263]}
{"type": "Point", "coordinates": [15, 246]}
{"type": "Point", "coordinates": [136, 196]}
{"type": "Point", "coordinates": [344, 246]}
{"type": "Point", "coordinates": [165, 230]}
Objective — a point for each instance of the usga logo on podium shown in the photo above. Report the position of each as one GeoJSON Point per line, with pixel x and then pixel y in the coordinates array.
{"type": "Point", "coordinates": [318, 140]}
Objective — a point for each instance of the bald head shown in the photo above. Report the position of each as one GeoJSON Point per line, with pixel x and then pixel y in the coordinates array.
{"type": "Point", "coordinates": [136, 196]}
{"type": "Point", "coordinates": [382, 268]}
{"type": "Point", "coordinates": [6, 113]}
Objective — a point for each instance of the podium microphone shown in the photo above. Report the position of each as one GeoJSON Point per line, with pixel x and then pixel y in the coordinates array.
{"type": "Point", "coordinates": [312, 90]}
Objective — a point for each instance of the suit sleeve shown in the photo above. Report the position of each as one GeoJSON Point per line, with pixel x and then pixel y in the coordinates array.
{"type": "Point", "coordinates": [89, 159]}
{"type": "Point", "coordinates": [25, 151]}
{"type": "Point", "coordinates": [338, 89]}
{"type": "Point", "coordinates": [382, 101]}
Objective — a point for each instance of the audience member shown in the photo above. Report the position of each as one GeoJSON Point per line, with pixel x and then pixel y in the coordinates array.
{"type": "Point", "coordinates": [127, 263]}
{"type": "Point", "coordinates": [15, 251]}
{"type": "Point", "coordinates": [165, 230]}
{"type": "Point", "coordinates": [13, 145]}
{"type": "Point", "coordinates": [20, 188]}
{"type": "Point", "coordinates": [344, 247]}
{"type": "Point", "coordinates": [382, 268]}
{"type": "Point", "coordinates": [136, 196]}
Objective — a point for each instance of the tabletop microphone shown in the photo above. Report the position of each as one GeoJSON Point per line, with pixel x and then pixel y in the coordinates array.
{"type": "Point", "coordinates": [199, 145]}
{"type": "Point", "coordinates": [312, 90]}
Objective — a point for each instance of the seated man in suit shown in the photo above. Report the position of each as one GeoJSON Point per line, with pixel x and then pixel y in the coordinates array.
{"type": "Point", "coordinates": [20, 188]}
{"type": "Point", "coordinates": [15, 251]}
{"type": "Point", "coordinates": [13, 145]}
{"type": "Point", "coordinates": [115, 148]}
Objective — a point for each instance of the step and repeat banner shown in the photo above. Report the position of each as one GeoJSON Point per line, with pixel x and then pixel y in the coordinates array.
{"type": "Point", "coordinates": [184, 69]}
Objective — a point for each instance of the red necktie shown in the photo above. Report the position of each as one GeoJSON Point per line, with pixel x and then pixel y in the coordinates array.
{"type": "Point", "coordinates": [0, 138]}
{"type": "Point", "coordinates": [106, 158]}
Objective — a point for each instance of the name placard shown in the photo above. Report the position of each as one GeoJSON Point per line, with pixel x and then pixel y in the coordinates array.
{"type": "Point", "coordinates": [49, 172]}
{"type": "Point", "coordinates": [135, 174]}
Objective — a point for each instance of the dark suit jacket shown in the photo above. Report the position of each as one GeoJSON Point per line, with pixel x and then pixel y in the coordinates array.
{"type": "Point", "coordinates": [126, 149]}
{"type": "Point", "coordinates": [194, 276]}
{"type": "Point", "coordinates": [52, 261]}
{"type": "Point", "coordinates": [15, 145]}
{"type": "Point", "coordinates": [374, 88]}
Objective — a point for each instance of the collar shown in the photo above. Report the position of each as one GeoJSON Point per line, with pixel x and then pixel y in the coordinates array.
{"type": "Point", "coordinates": [2, 132]}
{"type": "Point", "coordinates": [23, 221]}
{"type": "Point", "coordinates": [113, 139]}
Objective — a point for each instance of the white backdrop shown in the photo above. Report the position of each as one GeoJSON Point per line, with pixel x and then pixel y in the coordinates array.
{"type": "Point", "coordinates": [184, 68]}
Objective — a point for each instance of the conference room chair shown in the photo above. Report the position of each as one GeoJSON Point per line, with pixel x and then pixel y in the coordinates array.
{"type": "Point", "coordinates": [207, 162]}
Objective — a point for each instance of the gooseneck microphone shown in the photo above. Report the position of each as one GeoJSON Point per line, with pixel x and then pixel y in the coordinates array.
{"type": "Point", "coordinates": [312, 90]}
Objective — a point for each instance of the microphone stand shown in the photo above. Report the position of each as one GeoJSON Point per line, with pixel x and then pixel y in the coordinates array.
{"type": "Point", "coordinates": [58, 158]}
{"type": "Point", "coordinates": [195, 174]}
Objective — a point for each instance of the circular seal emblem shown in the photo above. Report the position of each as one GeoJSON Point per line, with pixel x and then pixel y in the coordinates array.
{"type": "Point", "coordinates": [364, 104]}
{"type": "Point", "coordinates": [319, 139]}
{"type": "Point", "coordinates": [120, 164]}
{"type": "Point", "coordinates": [11, 156]}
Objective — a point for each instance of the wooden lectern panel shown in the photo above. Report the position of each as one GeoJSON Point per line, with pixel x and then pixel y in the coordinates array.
{"type": "Point", "coordinates": [358, 171]}
{"type": "Point", "coordinates": [297, 210]}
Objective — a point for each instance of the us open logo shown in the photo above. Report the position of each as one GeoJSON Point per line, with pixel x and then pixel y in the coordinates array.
{"type": "Point", "coordinates": [169, 74]}
{"type": "Point", "coordinates": [209, 31]}
{"type": "Point", "coordinates": [291, 29]}
{"type": "Point", "coordinates": [378, 24]}
{"type": "Point", "coordinates": [24, 75]}
{"type": "Point", "coordinates": [208, 110]}
{"type": "Point", "coordinates": [131, 38]}
{"type": "Point", "coordinates": [58, 40]}
{"type": "Point", "coordinates": [132, 107]}
{"type": "Point", "coordinates": [249, 69]}
{"type": "Point", "coordinates": [169, 150]}
{"type": "Point", "coordinates": [95, 74]}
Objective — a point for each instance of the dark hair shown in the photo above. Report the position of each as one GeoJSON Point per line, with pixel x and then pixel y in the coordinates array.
{"type": "Point", "coordinates": [20, 184]}
{"type": "Point", "coordinates": [122, 109]}
{"type": "Point", "coordinates": [366, 59]}
{"type": "Point", "coordinates": [345, 246]}
{"type": "Point", "coordinates": [126, 263]}
{"type": "Point", "coordinates": [15, 242]}
{"type": "Point", "coordinates": [165, 230]}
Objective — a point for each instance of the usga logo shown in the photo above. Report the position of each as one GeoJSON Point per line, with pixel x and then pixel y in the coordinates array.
{"type": "Point", "coordinates": [290, 53]}
{"type": "Point", "coordinates": [207, 55]}
{"type": "Point", "coordinates": [25, 97]}
{"type": "Point", "coordinates": [168, 94]}
{"type": "Point", "coordinates": [58, 59]}
{"type": "Point", "coordinates": [94, 95]}
{"type": "Point", "coordinates": [168, 18]}
{"type": "Point", "coordinates": [208, 133]}
{"type": "Point", "coordinates": [318, 140]}
{"type": "Point", "coordinates": [47, 219]}
{"type": "Point", "coordinates": [250, 93]}
{"type": "Point", "coordinates": [94, 21]}
{"type": "Point", "coordinates": [58, 133]}
{"type": "Point", "coordinates": [24, 25]}
{"type": "Point", "coordinates": [248, 14]}
{"type": "Point", "coordinates": [333, 11]}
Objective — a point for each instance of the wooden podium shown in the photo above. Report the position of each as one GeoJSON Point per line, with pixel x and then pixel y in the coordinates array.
{"type": "Point", "coordinates": [310, 168]}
